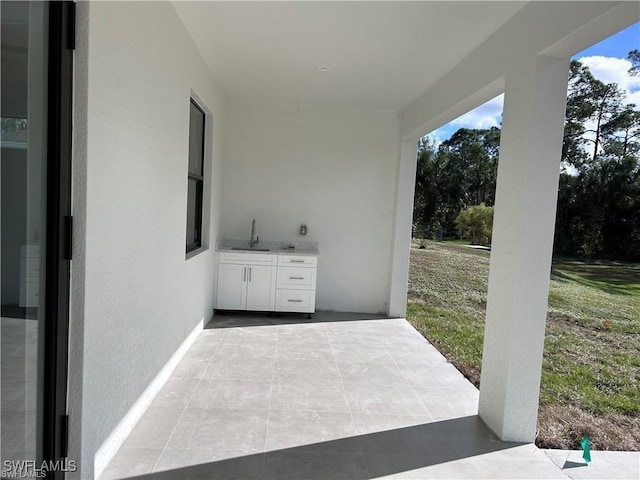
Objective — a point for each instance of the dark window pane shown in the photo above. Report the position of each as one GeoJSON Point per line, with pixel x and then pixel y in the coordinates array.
{"type": "Point", "coordinates": [196, 140]}
{"type": "Point", "coordinates": [194, 214]}
{"type": "Point", "coordinates": [195, 180]}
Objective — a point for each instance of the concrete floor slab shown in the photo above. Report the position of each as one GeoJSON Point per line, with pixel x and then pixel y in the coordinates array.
{"type": "Point", "coordinates": [340, 396]}
{"type": "Point", "coordinates": [603, 465]}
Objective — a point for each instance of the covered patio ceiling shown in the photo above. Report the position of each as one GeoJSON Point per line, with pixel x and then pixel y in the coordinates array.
{"type": "Point", "coordinates": [401, 56]}
{"type": "Point", "coordinates": [379, 54]}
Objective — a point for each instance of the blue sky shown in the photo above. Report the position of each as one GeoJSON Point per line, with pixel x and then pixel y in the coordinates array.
{"type": "Point", "coordinates": [617, 45]}
{"type": "Point", "coordinates": [607, 61]}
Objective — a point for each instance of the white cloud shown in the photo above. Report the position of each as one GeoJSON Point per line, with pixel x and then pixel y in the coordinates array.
{"type": "Point", "coordinates": [486, 115]}
{"type": "Point", "coordinates": [615, 70]}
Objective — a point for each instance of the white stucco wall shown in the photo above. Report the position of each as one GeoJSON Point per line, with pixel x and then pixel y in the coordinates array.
{"type": "Point", "coordinates": [333, 169]}
{"type": "Point", "coordinates": [134, 296]}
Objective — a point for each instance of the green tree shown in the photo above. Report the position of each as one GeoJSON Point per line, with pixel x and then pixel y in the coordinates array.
{"type": "Point", "coordinates": [634, 58]}
{"type": "Point", "coordinates": [599, 202]}
{"type": "Point", "coordinates": [476, 224]}
{"type": "Point", "coordinates": [579, 109]}
{"type": "Point", "coordinates": [593, 110]}
{"type": "Point", "coordinates": [622, 134]}
{"type": "Point", "coordinates": [475, 153]}
{"type": "Point", "coordinates": [599, 192]}
{"type": "Point", "coordinates": [427, 198]}
{"type": "Point", "coordinates": [8, 124]}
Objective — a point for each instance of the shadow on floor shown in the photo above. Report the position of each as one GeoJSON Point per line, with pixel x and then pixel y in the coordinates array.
{"type": "Point", "coordinates": [232, 319]}
{"type": "Point", "coordinates": [358, 457]}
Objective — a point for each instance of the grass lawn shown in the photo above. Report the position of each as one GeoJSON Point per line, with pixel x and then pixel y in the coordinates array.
{"type": "Point", "coordinates": [591, 369]}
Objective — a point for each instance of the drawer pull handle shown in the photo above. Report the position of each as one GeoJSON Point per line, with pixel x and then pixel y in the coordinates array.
{"type": "Point", "coordinates": [296, 261]}
{"type": "Point", "coordinates": [295, 301]}
{"type": "Point", "coordinates": [296, 278]}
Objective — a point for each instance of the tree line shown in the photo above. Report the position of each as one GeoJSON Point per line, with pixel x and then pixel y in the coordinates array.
{"type": "Point", "coordinates": [598, 214]}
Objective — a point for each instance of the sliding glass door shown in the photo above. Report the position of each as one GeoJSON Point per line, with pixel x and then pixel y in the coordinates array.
{"type": "Point", "coordinates": [32, 202]}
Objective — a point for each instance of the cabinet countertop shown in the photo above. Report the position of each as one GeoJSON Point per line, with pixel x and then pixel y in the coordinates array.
{"type": "Point", "coordinates": [274, 248]}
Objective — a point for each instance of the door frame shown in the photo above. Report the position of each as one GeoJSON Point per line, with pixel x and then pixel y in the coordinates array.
{"type": "Point", "coordinates": [58, 233]}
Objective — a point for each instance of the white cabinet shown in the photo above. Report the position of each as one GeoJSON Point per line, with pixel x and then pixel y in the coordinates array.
{"type": "Point", "coordinates": [266, 282]}
{"type": "Point", "coordinates": [246, 281]}
{"type": "Point", "coordinates": [232, 288]}
{"type": "Point", "coordinates": [302, 301]}
{"type": "Point", "coordinates": [296, 283]}
{"type": "Point", "coordinates": [296, 278]}
{"type": "Point", "coordinates": [297, 261]}
{"type": "Point", "coordinates": [260, 283]}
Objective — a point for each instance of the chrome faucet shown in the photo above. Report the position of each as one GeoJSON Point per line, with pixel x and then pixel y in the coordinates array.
{"type": "Point", "coordinates": [254, 239]}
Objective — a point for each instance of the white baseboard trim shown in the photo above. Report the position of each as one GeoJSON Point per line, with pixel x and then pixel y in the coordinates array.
{"type": "Point", "coordinates": [116, 438]}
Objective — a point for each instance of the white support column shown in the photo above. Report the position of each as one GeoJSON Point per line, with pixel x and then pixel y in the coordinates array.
{"type": "Point", "coordinates": [402, 233]}
{"type": "Point", "coordinates": [527, 190]}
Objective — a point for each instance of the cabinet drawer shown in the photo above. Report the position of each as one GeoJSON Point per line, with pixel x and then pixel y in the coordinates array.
{"type": "Point", "coordinates": [295, 300]}
{"type": "Point", "coordinates": [296, 278]}
{"type": "Point", "coordinates": [297, 260]}
{"type": "Point", "coordinates": [247, 258]}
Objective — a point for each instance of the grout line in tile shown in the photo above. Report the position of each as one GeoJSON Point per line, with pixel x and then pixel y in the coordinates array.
{"type": "Point", "coordinates": [344, 393]}
{"type": "Point", "coordinates": [184, 409]}
{"type": "Point", "coordinates": [411, 386]}
{"type": "Point", "coordinates": [273, 375]}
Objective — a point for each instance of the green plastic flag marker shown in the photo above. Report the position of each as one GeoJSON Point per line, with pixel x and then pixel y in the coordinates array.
{"type": "Point", "coordinates": [586, 449]}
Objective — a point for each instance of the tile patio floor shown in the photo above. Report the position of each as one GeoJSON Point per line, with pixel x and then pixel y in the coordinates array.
{"type": "Point", "coordinates": [338, 397]}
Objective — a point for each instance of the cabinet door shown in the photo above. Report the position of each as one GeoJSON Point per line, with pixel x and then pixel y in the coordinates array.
{"type": "Point", "coordinates": [232, 292]}
{"type": "Point", "coordinates": [261, 288]}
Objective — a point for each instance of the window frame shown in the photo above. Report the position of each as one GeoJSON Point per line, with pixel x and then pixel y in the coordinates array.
{"type": "Point", "coordinates": [198, 178]}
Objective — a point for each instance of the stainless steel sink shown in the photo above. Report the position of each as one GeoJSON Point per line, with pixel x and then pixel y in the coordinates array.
{"type": "Point", "coordinates": [251, 249]}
